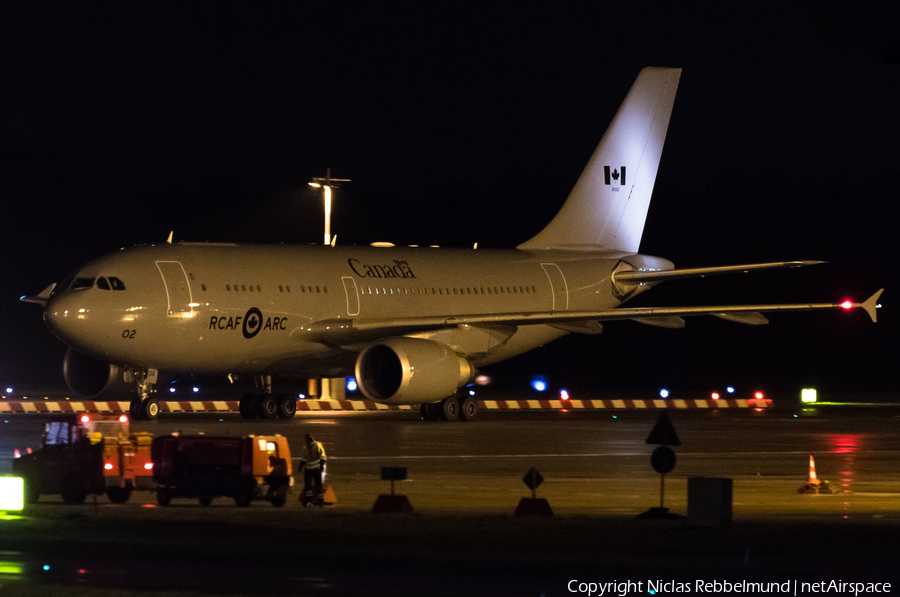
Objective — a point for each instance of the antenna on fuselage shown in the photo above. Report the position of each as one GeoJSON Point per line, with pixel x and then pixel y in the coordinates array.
{"type": "Point", "coordinates": [169, 241]}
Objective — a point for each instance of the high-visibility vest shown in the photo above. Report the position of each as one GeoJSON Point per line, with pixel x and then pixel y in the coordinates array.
{"type": "Point", "coordinates": [314, 455]}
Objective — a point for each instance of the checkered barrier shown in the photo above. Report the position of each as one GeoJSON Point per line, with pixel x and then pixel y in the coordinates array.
{"type": "Point", "coordinates": [51, 406]}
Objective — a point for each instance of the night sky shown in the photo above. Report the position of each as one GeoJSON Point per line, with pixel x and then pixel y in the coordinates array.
{"type": "Point", "coordinates": [468, 122]}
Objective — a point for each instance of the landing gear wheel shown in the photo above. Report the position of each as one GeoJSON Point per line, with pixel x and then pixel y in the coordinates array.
{"type": "Point", "coordinates": [468, 409]}
{"type": "Point", "coordinates": [248, 406]}
{"type": "Point", "coordinates": [134, 410]}
{"type": "Point", "coordinates": [268, 406]}
{"type": "Point", "coordinates": [287, 406]}
{"type": "Point", "coordinates": [150, 408]}
{"type": "Point", "coordinates": [449, 408]}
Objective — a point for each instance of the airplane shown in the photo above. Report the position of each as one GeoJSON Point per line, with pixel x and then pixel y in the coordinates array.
{"type": "Point", "coordinates": [413, 324]}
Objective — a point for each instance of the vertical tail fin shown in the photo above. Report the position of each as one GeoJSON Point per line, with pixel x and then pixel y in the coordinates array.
{"type": "Point", "coordinates": [608, 206]}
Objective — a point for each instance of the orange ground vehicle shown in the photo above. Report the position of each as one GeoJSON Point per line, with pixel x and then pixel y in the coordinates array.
{"type": "Point", "coordinates": [204, 467]}
{"type": "Point", "coordinates": [87, 454]}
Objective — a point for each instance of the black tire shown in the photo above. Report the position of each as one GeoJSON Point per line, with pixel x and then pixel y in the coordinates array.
{"type": "Point", "coordinates": [468, 409]}
{"type": "Point", "coordinates": [205, 501]}
{"type": "Point", "coordinates": [287, 406]}
{"type": "Point", "coordinates": [73, 489]}
{"type": "Point", "coordinates": [150, 409]}
{"type": "Point", "coordinates": [163, 497]}
{"type": "Point", "coordinates": [118, 495]}
{"type": "Point", "coordinates": [243, 498]}
{"type": "Point", "coordinates": [268, 406]}
{"type": "Point", "coordinates": [279, 500]}
{"type": "Point", "coordinates": [134, 410]}
{"type": "Point", "coordinates": [449, 408]}
{"type": "Point", "coordinates": [249, 408]}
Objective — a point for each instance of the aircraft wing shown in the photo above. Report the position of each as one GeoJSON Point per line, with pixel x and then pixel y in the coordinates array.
{"type": "Point", "coordinates": [342, 331]}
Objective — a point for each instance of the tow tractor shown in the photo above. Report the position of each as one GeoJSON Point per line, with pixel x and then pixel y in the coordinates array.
{"type": "Point", "coordinates": [254, 467]}
{"type": "Point", "coordinates": [86, 455]}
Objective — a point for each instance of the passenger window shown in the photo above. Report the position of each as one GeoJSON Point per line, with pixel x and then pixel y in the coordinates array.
{"type": "Point", "coordinates": [102, 284]}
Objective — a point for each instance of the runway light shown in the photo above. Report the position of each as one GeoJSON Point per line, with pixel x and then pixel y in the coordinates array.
{"type": "Point", "coordinates": [352, 386]}
{"type": "Point", "coordinates": [171, 390]}
{"type": "Point", "coordinates": [847, 305]}
{"type": "Point", "coordinates": [196, 389]}
{"type": "Point", "coordinates": [9, 390]}
{"type": "Point", "coordinates": [664, 393]}
{"type": "Point", "coordinates": [539, 383]}
{"type": "Point", "coordinates": [759, 395]}
{"type": "Point", "coordinates": [471, 392]}
{"type": "Point", "coordinates": [715, 396]}
{"type": "Point", "coordinates": [808, 395]}
{"type": "Point", "coordinates": [563, 394]}
{"type": "Point", "coordinates": [730, 390]}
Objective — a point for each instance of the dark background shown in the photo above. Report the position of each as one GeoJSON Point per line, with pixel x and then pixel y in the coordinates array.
{"type": "Point", "coordinates": [465, 122]}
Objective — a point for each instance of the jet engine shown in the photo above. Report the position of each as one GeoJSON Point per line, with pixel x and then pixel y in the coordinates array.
{"type": "Point", "coordinates": [411, 371]}
{"type": "Point", "coordinates": [91, 378]}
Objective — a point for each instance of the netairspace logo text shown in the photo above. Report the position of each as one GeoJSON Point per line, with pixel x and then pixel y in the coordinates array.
{"type": "Point", "coordinates": [724, 587]}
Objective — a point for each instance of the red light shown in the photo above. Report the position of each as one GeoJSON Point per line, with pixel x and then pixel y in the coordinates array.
{"type": "Point", "coordinates": [758, 395]}
{"type": "Point", "coordinates": [848, 304]}
{"type": "Point", "coordinates": [85, 418]}
{"type": "Point", "coordinates": [17, 454]}
{"type": "Point", "coordinates": [148, 466]}
{"type": "Point", "coordinates": [108, 466]}
{"type": "Point", "coordinates": [123, 419]}
{"type": "Point", "coordinates": [715, 395]}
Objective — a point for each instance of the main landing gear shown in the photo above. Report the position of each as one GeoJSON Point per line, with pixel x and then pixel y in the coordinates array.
{"type": "Point", "coordinates": [453, 408]}
{"type": "Point", "coordinates": [266, 404]}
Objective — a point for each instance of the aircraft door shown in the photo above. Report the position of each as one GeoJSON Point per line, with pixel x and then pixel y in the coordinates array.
{"type": "Point", "coordinates": [558, 286]}
{"type": "Point", "coordinates": [178, 289]}
{"type": "Point", "coordinates": [352, 295]}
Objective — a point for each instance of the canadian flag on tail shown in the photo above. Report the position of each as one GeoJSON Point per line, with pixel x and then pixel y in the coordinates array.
{"type": "Point", "coordinates": [614, 176]}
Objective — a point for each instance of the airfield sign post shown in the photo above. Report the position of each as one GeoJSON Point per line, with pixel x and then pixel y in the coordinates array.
{"type": "Point", "coordinates": [663, 458]}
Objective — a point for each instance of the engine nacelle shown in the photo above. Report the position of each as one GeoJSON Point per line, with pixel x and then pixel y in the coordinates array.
{"type": "Point", "coordinates": [410, 371]}
{"type": "Point", "coordinates": [91, 378]}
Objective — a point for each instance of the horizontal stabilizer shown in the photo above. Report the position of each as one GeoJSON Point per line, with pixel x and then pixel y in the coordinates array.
{"type": "Point", "coordinates": [636, 277]}
{"type": "Point", "coordinates": [40, 299]}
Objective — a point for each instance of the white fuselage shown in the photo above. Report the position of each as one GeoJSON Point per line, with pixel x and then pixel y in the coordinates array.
{"type": "Point", "coordinates": [251, 309]}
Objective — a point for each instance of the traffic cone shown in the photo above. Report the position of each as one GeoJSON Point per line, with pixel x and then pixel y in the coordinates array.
{"type": "Point", "coordinates": [813, 480]}
{"type": "Point", "coordinates": [813, 484]}
{"type": "Point", "coordinates": [330, 498]}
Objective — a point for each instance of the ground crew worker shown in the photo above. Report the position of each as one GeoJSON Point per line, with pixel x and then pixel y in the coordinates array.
{"type": "Point", "coordinates": [278, 477]}
{"type": "Point", "coordinates": [312, 459]}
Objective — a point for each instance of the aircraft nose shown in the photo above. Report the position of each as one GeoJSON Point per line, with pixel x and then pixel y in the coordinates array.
{"type": "Point", "coordinates": [65, 315]}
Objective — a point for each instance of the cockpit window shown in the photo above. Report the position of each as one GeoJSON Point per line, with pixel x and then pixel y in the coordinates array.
{"type": "Point", "coordinates": [102, 284]}
{"type": "Point", "coordinates": [116, 283]}
{"type": "Point", "coordinates": [80, 283]}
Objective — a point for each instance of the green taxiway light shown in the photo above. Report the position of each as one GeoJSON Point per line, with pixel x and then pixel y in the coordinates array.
{"type": "Point", "coordinates": [12, 493]}
{"type": "Point", "coordinates": [807, 395]}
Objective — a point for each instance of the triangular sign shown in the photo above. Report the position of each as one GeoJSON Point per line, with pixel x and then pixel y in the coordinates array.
{"type": "Point", "coordinates": [663, 433]}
